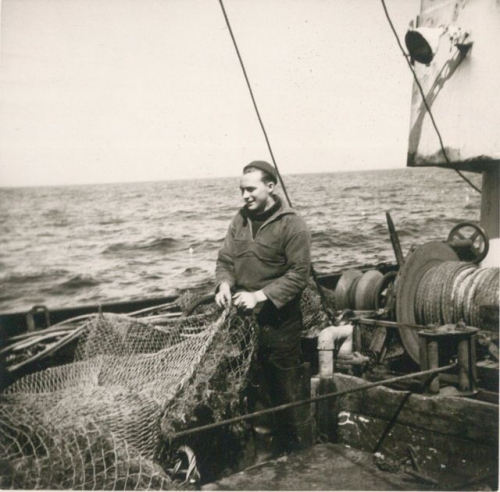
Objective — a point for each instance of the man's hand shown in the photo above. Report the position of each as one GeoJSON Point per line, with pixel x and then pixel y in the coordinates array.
{"type": "Point", "coordinates": [248, 300]}
{"type": "Point", "coordinates": [223, 297]}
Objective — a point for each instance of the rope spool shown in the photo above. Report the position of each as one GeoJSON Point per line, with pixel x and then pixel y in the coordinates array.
{"type": "Point", "coordinates": [346, 286]}
{"type": "Point", "coordinates": [417, 263]}
{"type": "Point", "coordinates": [486, 296]}
{"type": "Point", "coordinates": [365, 292]}
{"type": "Point", "coordinates": [419, 296]}
{"type": "Point", "coordinates": [456, 270]}
{"type": "Point", "coordinates": [455, 291]}
{"type": "Point", "coordinates": [459, 285]}
{"type": "Point", "coordinates": [435, 287]}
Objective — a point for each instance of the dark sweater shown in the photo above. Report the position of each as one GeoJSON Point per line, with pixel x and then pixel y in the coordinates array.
{"type": "Point", "coordinates": [276, 262]}
{"type": "Point", "coordinates": [259, 219]}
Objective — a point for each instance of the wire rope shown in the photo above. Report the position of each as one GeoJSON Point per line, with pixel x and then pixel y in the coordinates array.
{"type": "Point", "coordinates": [424, 100]}
{"type": "Point", "coordinates": [455, 291]}
{"type": "Point", "coordinates": [254, 102]}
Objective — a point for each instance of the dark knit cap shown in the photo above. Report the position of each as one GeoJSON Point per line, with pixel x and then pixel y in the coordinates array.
{"type": "Point", "coordinates": [264, 166]}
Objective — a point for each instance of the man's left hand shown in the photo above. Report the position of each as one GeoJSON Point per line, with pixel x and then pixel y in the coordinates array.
{"type": "Point", "coordinates": [248, 300]}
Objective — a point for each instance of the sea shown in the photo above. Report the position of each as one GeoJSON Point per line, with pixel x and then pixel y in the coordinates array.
{"type": "Point", "coordinates": [64, 246]}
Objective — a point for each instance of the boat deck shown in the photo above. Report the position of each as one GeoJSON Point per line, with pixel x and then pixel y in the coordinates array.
{"type": "Point", "coordinates": [321, 467]}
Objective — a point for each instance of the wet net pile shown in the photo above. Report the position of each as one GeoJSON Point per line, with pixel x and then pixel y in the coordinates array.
{"type": "Point", "coordinates": [99, 422]}
{"type": "Point", "coordinates": [106, 420]}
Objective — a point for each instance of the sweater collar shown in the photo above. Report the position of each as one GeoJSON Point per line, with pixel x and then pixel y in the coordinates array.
{"type": "Point", "coordinates": [267, 214]}
{"type": "Point", "coordinates": [282, 209]}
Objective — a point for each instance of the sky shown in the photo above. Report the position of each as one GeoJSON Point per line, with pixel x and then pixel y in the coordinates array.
{"type": "Point", "coordinates": [96, 91]}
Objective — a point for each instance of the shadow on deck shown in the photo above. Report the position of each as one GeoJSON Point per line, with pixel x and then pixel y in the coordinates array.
{"type": "Point", "coordinates": [321, 467]}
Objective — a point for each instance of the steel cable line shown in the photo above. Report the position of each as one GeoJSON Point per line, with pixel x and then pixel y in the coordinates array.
{"type": "Point", "coordinates": [253, 100]}
{"type": "Point", "coordinates": [328, 312]}
{"type": "Point", "coordinates": [427, 107]}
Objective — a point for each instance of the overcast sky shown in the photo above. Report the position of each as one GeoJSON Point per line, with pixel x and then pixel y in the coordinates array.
{"type": "Point", "coordinates": [99, 91]}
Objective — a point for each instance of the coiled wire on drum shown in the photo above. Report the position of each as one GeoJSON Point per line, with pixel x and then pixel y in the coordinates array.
{"type": "Point", "coordinates": [455, 291]}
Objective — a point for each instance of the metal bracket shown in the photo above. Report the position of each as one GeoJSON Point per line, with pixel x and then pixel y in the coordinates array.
{"type": "Point", "coordinates": [30, 316]}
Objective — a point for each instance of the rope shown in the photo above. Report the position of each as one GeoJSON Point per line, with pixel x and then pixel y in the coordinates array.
{"type": "Point", "coordinates": [455, 291]}
{"type": "Point", "coordinates": [424, 100]}
{"type": "Point", "coordinates": [324, 301]}
{"type": "Point", "coordinates": [253, 100]}
{"type": "Point", "coordinates": [448, 289]}
{"type": "Point", "coordinates": [294, 404]}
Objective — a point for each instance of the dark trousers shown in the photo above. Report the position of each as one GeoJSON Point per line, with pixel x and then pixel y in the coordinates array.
{"type": "Point", "coordinates": [279, 375]}
{"type": "Point", "coordinates": [279, 335]}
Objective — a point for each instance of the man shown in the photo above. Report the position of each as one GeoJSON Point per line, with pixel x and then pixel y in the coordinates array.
{"type": "Point", "coordinates": [264, 266]}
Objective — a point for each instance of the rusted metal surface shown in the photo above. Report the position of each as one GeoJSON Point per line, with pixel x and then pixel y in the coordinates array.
{"type": "Point", "coordinates": [460, 87]}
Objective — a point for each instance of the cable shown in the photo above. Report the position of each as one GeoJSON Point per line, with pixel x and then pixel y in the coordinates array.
{"type": "Point", "coordinates": [424, 99]}
{"type": "Point", "coordinates": [295, 404]}
{"type": "Point", "coordinates": [253, 101]}
{"type": "Point", "coordinates": [314, 274]}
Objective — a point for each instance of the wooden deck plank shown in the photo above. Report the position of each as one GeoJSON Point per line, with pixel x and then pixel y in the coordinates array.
{"type": "Point", "coordinates": [452, 416]}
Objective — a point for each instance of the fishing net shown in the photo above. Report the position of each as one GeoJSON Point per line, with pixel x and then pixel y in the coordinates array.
{"type": "Point", "coordinates": [97, 422]}
{"type": "Point", "coordinates": [108, 419]}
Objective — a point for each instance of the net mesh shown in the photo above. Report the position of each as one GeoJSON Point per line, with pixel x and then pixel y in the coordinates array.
{"type": "Point", "coordinates": [107, 420]}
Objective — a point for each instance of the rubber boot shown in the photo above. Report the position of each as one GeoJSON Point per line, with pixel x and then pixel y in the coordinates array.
{"type": "Point", "coordinates": [261, 427]}
{"type": "Point", "coordinates": [264, 447]}
{"type": "Point", "coordinates": [294, 426]}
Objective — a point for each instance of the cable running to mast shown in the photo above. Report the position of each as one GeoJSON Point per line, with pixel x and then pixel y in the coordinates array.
{"type": "Point", "coordinates": [324, 302]}
{"type": "Point", "coordinates": [253, 101]}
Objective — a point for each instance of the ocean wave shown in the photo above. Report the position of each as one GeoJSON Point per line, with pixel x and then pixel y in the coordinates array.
{"type": "Point", "coordinates": [60, 223]}
{"type": "Point", "coordinates": [111, 221]}
{"type": "Point", "coordinates": [206, 244]}
{"type": "Point", "coordinates": [79, 282]}
{"type": "Point", "coordinates": [344, 210]}
{"type": "Point", "coordinates": [193, 271]}
{"type": "Point", "coordinates": [36, 276]}
{"type": "Point", "coordinates": [379, 229]}
{"type": "Point", "coordinates": [54, 212]}
{"type": "Point", "coordinates": [337, 239]}
{"type": "Point", "coordinates": [160, 245]}
{"type": "Point", "coordinates": [72, 285]}
{"type": "Point", "coordinates": [151, 276]}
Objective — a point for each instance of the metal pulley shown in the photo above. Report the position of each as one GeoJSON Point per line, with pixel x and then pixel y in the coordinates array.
{"type": "Point", "coordinates": [470, 241]}
{"type": "Point", "coordinates": [368, 291]}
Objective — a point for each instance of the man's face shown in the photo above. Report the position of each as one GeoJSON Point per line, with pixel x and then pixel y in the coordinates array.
{"type": "Point", "coordinates": [256, 194]}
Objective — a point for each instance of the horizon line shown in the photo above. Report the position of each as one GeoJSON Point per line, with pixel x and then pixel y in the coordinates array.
{"type": "Point", "coordinates": [191, 178]}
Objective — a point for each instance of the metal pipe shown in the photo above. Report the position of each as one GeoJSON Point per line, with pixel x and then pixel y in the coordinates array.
{"type": "Point", "coordinates": [310, 400]}
{"type": "Point", "coordinates": [433, 363]}
{"type": "Point", "coordinates": [327, 340]}
{"type": "Point", "coordinates": [388, 324]}
{"type": "Point", "coordinates": [463, 365]}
